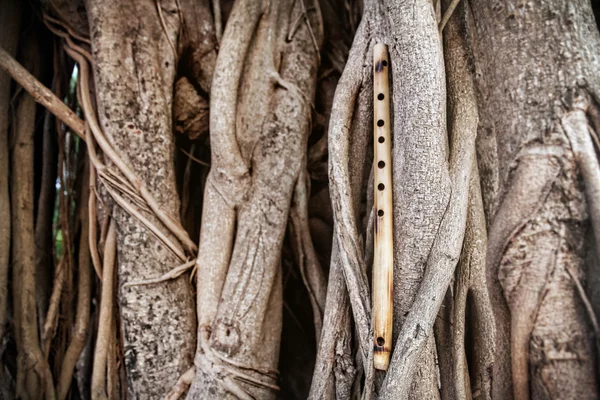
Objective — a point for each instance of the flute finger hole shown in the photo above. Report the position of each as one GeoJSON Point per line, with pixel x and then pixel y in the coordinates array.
{"type": "Point", "coordinates": [380, 213]}
{"type": "Point", "coordinates": [380, 341]}
{"type": "Point", "coordinates": [380, 123]}
{"type": "Point", "coordinates": [381, 164]}
{"type": "Point", "coordinates": [381, 139]}
{"type": "Point", "coordinates": [384, 63]}
{"type": "Point", "coordinates": [380, 96]}
{"type": "Point", "coordinates": [381, 186]}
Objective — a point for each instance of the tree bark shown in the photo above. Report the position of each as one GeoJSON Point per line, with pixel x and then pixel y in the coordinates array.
{"type": "Point", "coordinates": [134, 71]}
{"type": "Point", "coordinates": [535, 60]}
{"type": "Point", "coordinates": [264, 83]}
{"type": "Point", "coordinates": [34, 379]}
{"type": "Point", "coordinates": [10, 20]}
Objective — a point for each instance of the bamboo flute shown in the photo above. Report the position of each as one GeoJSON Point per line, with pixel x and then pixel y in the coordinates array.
{"type": "Point", "coordinates": [383, 260]}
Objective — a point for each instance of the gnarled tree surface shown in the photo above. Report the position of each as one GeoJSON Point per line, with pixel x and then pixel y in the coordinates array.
{"type": "Point", "coordinates": [542, 81]}
{"type": "Point", "coordinates": [134, 96]}
{"type": "Point", "coordinates": [193, 215]}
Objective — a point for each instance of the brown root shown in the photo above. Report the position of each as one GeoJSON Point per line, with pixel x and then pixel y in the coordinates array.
{"type": "Point", "coordinates": [105, 324]}
{"type": "Point", "coordinates": [310, 268]}
{"type": "Point", "coordinates": [34, 379]}
{"type": "Point", "coordinates": [84, 288]}
{"type": "Point", "coordinates": [9, 35]}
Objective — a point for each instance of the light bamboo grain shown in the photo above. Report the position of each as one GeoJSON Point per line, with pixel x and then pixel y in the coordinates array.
{"type": "Point", "coordinates": [383, 261]}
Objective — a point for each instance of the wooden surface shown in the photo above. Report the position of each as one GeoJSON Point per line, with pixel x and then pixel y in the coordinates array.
{"type": "Point", "coordinates": [383, 261]}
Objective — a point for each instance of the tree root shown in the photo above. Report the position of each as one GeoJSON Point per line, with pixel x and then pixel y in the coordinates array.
{"type": "Point", "coordinates": [482, 319]}
{"type": "Point", "coordinates": [93, 223]}
{"type": "Point", "coordinates": [341, 196]}
{"type": "Point", "coordinates": [53, 309]}
{"type": "Point", "coordinates": [575, 125]}
{"type": "Point", "coordinates": [447, 14]}
{"type": "Point", "coordinates": [43, 225]}
{"type": "Point", "coordinates": [588, 308]}
{"type": "Point", "coordinates": [446, 248]}
{"type": "Point", "coordinates": [310, 269]}
{"type": "Point", "coordinates": [172, 274]}
{"type": "Point", "coordinates": [10, 20]}
{"type": "Point", "coordinates": [84, 288]}
{"type": "Point", "coordinates": [580, 134]}
{"type": "Point", "coordinates": [334, 371]}
{"type": "Point", "coordinates": [34, 378]}
{"type": "Point", "coordinates": [106, 315]}
{"type": "Point", "coordinates": [40, 93]}
{"type": "Point", "coordinates": [183, 383]}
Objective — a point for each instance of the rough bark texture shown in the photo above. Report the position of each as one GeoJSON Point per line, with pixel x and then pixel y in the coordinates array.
{"type": "Point", "coordinates": [389, 23]}
{"type": "Point", "coordinates": [532, 57]}
{"type": "Point", "coordinates": [134, 74]}
{"type": "Point", "coordinates": [264, 83]}
{"type": "Point", "coordinates": [10, 19]}
{"type": "Point", "coordinates": [335, 372]}
{"type": "Point", "coordinates": [421, 181]}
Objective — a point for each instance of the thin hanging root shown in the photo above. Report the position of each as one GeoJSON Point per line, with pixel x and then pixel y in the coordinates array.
{"type": "Point", "coordinates": [216, 6]}
{"type": "Point", "coordinates": [483, 315]}
{"type": "Point", "coordinates": [52, 314]}
{"type": "Point", "coordinates": [182, 384]}
{"type": "Point", "coordinates": [170, 223]}
{"type": "Point", "coordinates": [194, 158]}
{"type": "Point", "coordinates": [147, 223]}
{"type": "Point", "coordinates": [588, 307]}
{"type": "Point", "coordinates": [63, 279]}
{"type": "Point", "coordinates": [172, 274]}
{"type": "Point", "coordinates": [296, 25]}
{"type": "Point", "coordinates": [176, 250]}
{"type": "Point", "coordinates": [575, 125]}
{"type": "Point", "coordinates": [49, 19]}
{"type": "Point", "coordinates": [105, 320]}
{"type": "Point", "coordinates": [310, 268]}
{"type": "Point", "coordinates": [341, 197]}
{"type": "Point", "coordinates": [93, 223]}
{"type": "Point", "coordinates": [164, 26]}
{"type": "Point", "coordinates": [447, 14]}
{"type": "Point", "coordinates": [40, 93]}
{"type": "Point", "coordinates": [84, 287]}
{"type": "Point", "coordinates": [45, 97]}
{"type": "Point", "coordinates": [234, 388]}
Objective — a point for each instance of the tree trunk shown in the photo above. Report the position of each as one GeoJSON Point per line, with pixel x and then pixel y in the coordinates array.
{"type": "Point", "coordinates": [494, 122]}
{"type": "Point", "coordinates": [259, 122]}
{"type": "Point", "coordinates": [536, 62]}
{"type": "Point", "coordinates": [134, 71]}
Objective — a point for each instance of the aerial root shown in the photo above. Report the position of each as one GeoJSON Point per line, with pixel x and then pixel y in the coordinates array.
{"type": "Point", "coordinates": [588, 307]}
{"type": "Point", "coordinates": [183, 383]}
{"type": "Point", "coordinates": [227, 371]}
{"type": "Point", "coordinates": [172, 274]}
{"type": "Point", "coordinates": [447, 14]}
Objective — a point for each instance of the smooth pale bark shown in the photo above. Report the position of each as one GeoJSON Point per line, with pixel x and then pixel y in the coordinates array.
{"type": "Point", "coordinates": [134, 74]}
{"type": "Point", "coordinates": [265, 79]}
{"type": "Point", "coordinates": [335, 371]}
{"type": "Point", "coordinates": [531, 58]}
